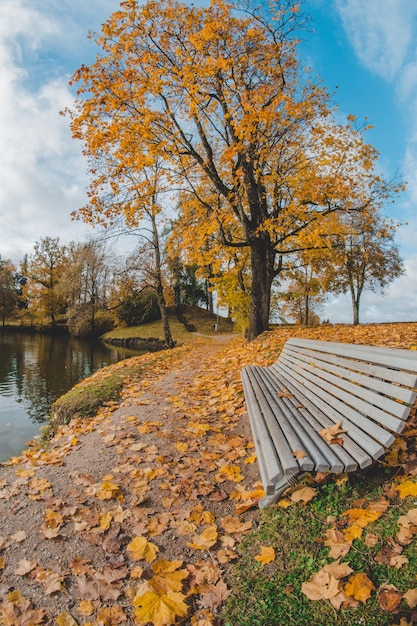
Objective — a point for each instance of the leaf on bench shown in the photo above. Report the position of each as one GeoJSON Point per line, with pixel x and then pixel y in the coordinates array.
{"type": "Point", "coordinates": [332, 434]}
{"type": "Point", "coordinates": [299, 454]}
{"type": "Point", "coordinates": [284, 394]}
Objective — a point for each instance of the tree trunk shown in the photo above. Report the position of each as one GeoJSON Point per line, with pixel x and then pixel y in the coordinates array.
{"type": "Point", "coordinates": [210, 307]}
{"type": "Point", "coordinates": [169, 342]}
{"type": "Point", "coordinates": [355, 305]}
{"type": "Point", "coordinates": [262, 263]}
{"type": "Point", "coordinates": [306, 310]}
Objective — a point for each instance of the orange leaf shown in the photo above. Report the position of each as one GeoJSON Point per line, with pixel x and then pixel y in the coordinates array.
{"type": "Point", "coordinates": [140, 548]}
{"type": "Point", "coordinates": [360, 587]}
{"type": "Point", "coordinates": [266, 555]}
{"type": "Point", "coordinates": [408, 488]}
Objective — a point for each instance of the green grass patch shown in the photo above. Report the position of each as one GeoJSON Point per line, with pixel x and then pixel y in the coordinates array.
{"type": "Point", "coordinates": [200, 320]}
{"type": "Point", "coordinates": [151, 330]}
{"type": "Point", "coordinates": [271, 595]}
{"type": "Point", "coordinates": [86, 398]}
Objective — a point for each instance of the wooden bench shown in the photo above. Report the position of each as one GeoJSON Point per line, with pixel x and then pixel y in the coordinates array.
{"type": "Point", "coordinates": [314, 385]}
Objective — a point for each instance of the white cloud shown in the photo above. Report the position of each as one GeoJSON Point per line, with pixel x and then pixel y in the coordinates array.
{"type": "Point", "coordinates": [380, 32]}
{"type": "Point", "coordinates": [42, 173]}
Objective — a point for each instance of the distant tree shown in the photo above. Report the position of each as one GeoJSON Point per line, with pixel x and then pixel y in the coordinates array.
{"type": "Point", "coordinates": [304, 291]}
{"type": "Point", "coordinates": [84, 286]}
{"type": "Point", "coordinates": [188, 288]}
{"type": "Point", "coordinates": [364, 257]}
{"type": "Point", "coordinates": [44, 270]}
{"type": "Point", "coordinates": [8, 289]}
{"type": "Point", "coordinates": [139, 307]}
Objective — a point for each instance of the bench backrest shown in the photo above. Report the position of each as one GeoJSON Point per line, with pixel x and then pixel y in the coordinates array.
{"type": "Point", "coordinates": [379, 383]}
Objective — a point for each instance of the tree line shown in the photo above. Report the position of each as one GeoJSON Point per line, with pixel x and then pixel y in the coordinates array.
{"type": "Point", "coordinates": [89, 289]}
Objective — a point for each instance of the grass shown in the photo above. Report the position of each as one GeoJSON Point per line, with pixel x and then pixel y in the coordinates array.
{"type": "Point", "coordinates": [202, 322]}
{"type": "Point", "coordinates": [88, 396]}
{"type": "Point", "coordinates": [271, 595]}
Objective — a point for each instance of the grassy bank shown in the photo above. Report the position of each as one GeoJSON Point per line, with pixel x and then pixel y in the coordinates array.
{"type": "Point", "coordinates": [195, 318]}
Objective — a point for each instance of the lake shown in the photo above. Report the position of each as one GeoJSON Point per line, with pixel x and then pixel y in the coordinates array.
{"type": "Point", "coordinates": [35, 369]}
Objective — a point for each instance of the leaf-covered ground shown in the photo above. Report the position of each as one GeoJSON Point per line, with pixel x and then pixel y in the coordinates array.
{"type": "Point", "coordinates": [136, 516]}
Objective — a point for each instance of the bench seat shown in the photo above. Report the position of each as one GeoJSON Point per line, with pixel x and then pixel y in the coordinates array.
{"type": "Point", "coordinates": [314, 385]}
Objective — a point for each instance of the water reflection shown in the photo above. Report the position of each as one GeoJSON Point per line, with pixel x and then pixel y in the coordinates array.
{"type": "Point", "coordinates": [34, 371]}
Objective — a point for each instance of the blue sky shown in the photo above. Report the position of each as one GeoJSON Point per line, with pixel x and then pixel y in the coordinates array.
{"type": "Point", "coordinates": [365, 50]}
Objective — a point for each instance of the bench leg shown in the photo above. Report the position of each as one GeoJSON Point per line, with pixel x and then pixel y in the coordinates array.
{"type": "Point", "coordinates": [280, 487]}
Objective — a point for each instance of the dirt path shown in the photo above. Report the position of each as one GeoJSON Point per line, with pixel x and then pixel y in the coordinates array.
{"type": "Point", "coordinates": [131, 518]}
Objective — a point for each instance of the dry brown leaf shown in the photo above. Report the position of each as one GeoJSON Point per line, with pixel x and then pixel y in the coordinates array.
{"type": "Point", "coordinates": [410, 597]}
{"type": "Point", "coordinates": [332, 434]}
{"type": "Point", "coordinates": [389, 597]}
{"type": "Point", "coordinates": [304, 494]}
{"type": "Point", "coordinates": [299, 454]}
{"type": "Point", "coordinates": [321, 586]}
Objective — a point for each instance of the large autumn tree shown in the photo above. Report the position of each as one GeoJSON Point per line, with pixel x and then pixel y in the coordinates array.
{"type": "Point", "coordinates": [217, 96]}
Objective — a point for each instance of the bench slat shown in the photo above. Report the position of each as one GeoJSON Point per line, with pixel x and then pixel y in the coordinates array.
{"type": "Point", "coordinates": [322, 414]}
{"type": "Point", "coordinates": [364, 405]}
{"type": "Point", "coordinates": [355, 370]}
{"type": "Point", "coordinates": [391, 357]}
{"type": "Point", "coordinates": [373, 439]}
{"type": "Point", "coordinates": [286, 421]}
{"type": "Point", "coordinates": [279, 429]}
{"type": "Point", "coordinates": [327, 457]}
{"type": "Point", "coordinates": [268, 462]}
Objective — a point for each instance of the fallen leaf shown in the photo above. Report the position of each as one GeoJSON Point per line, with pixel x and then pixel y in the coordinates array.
{"type": "Point", "coordinates": [266, 555]}
{"type": "Point", "coordinates": [407, 488]}
{"type": "Point", "coordinates": [206, 540]}
{"type": "Point", "coordinates": [304, 494]}
{"type": "Point", "coordinates": [410, 597]}
{"type": "Point", "coordinates": [359, 587]}
{"type": "Point", "coordinates": [299, 454]}
{"type": "Point", "coordinates": [159, 610]}
{"type": "Point", "coordinates": [389, 597]}
{"type": "Point", "coordinates": [332, 434]}
{"type": "Point", "coordinates": [65, 619]}
{"type": "Point", "coordinates": [140, 548]}
{"type": "Point", "coordinates": [321, 586]}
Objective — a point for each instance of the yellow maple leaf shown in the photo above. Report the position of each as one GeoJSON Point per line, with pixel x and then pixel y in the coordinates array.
{"type": "Point", "coordinates": [353, 532]}
{"type": "Point", "coordinates": [86, 607]}
{"type": "Point", "coordinates": [140, 548]}
{"type": "Point", "coordinates": [407, 488]}
{"type": "Point", "coordinates": [250, 459]}
{"type": "Point", "coordinates": [266, 555]}
{"type": "Point", "coordinates": [229, 472]}
{"type": "Point", "coordinates": [65, 619]}
{"type": "Point", "coordinates": [206, 540]}
{"type": "Point", "coordinates": [360, 587]}
{"type": "Point", "coordinates": [159, 610]}
{"type": "Point", "coordinates": [107, 491]}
